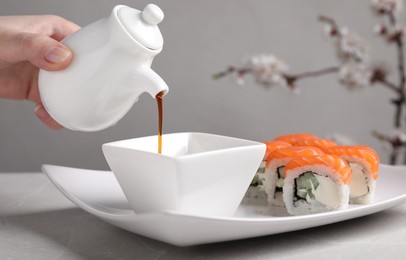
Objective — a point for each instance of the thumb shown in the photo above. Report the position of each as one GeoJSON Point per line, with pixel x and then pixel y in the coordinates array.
{"type": "Point", "coordinates": [41, 50]}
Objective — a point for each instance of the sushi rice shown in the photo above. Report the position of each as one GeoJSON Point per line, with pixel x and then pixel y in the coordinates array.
{"type": "Point", "coordinates": [316, 184]}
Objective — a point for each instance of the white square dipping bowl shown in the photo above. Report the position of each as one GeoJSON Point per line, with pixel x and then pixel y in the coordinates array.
{"type": "Point", "coordinates": [196, 174]}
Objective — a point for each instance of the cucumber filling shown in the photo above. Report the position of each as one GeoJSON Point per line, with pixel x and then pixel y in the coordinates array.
{"type": "Point", "coordinates": [261, 170]}
{"type": "Point", "coordinates": [254, 181]}
{"type": "Point", "coordinates": [306, 184]}
{"type": "Point", "coordinates": [312, 187]}
{"type": "Point", "coordinates": [280, 171]}
{"type": "Point", "coordinates": [257, 180]}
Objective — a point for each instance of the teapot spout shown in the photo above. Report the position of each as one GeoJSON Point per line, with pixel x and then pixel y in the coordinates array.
{"type": "Point", "coordinates": [151, 82]}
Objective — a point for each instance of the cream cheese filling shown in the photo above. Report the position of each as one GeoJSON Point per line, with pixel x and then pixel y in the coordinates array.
{"type": "Point", "coordinates": [358, 184]}
{"type": "Point", "coordinates": [327, 192]}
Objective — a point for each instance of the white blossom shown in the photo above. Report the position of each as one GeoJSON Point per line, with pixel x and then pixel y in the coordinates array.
{"type": "Point", "coordinates": [355, 76]}
{"type": "Point", "coordinates": [395, 134]}
{"type": "Point", "coordinates": [328, 29]}
{"type": "Point", "coordinates": [240, 80]}
{"type": "Point", "coordinates": [385, 6]}
{"type": "Point", "coordinates": [344, 31]}
{"type": "Point", "coordinates": [352, 46]}
{"type": "Point", "coordinates": [399, 28]}
{"type": "Point", "coordinates": [390, 32]}
{"type": "Point", "coordinates": [381, 29]}
{"type": "Point", "coordinates": [268, 69]}
{"type": "Point", "coordinates": [399, 134]}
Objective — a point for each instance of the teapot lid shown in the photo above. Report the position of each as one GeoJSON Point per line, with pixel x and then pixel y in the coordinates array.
{"type": "Point", "coordinates": [143, 26]}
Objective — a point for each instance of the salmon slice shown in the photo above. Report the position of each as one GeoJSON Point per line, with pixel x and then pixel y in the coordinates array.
{"type": "Point", "coordinates": [322, 144]}
{"type": "Point", "coordinates": [274, 145]}
{"type": "Point", "coordinates": [338, 165]}
{"type": "Point", "coordinates": [291, 138]}
{"type": "Point", "coordinates": [294, 151]}
{"type": "Point", "coordinates": [358, 152]}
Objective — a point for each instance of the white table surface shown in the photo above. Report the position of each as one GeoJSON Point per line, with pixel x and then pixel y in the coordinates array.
{"type": "Point", "coordinates": [38, 222]}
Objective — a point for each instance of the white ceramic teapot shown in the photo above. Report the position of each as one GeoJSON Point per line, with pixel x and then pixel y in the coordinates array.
{"type": "Point", "coordinates": [109, 70]}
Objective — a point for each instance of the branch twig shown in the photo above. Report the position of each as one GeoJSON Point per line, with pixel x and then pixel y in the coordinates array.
{"type": "Point", "coordinates": [401, 71]}
{"type": "Point", "coordinates": [378, 76]}
{"type": "Point", "coordinates": [309, 74]}
{"type": "Point", "coordinates": [290, 78]}
{"type": "Point", "coordinates": [392, 86]}
{"type": "Point", "coordinates": [231, 70]}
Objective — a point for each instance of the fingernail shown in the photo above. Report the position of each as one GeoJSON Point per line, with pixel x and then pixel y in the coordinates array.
{"type": "Point", "coordinates": [41, 112]}
{"type": "Point", "coordinates": [56, 54]}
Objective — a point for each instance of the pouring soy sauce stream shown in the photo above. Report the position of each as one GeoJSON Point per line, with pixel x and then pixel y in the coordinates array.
{"type": "Point", "coordinates": [159, 101]}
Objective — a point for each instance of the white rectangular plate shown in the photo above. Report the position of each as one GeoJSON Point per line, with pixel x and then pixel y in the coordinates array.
{"type": "Point", "coordinates": [99, 193]}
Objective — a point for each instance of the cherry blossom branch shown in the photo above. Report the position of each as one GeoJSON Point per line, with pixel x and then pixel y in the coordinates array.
{"type": "Point", "coordinates": [354, 68]}
{"type": "Point", "coordinates": [290, 78]}
{"type": "Point", "coordinates": [378, 75]}
{"type": "Point", "coordinates": [395, 142]}
{"type": "Point", "coordinates": [400, 101]}
{"type": "Point", "coordinates": [390, 85]}
{"type": "Point", "coordinates": [231, 70]}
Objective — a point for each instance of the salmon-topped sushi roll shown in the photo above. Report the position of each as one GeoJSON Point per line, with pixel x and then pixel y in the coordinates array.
{"type": "Point", "coordinates": [273, 178]}
{"type": "Point", "coordinates": [322, 144]}
{"type": "Point", "coordinates": [254, 190]}
{"type": "Point", "coordinates": [316, 184]}
{"type": "Point", "coordinates": [292, 138]}
{"type": "Point", "coordinates": [275, 145]}
{"type": "Point", "coordinates": [364, 162]}
{"type": "Point", "coordinates": [270, 147]}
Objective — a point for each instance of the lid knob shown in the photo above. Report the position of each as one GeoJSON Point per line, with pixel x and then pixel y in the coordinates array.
{"type": "Point", "coordinates": [152, 14]}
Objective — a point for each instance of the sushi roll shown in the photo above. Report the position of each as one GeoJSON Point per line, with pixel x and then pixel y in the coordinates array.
{"type": "Point", "coordinates": [322, 144]}
{"type": "Point", "coordinates": [270, 147]}
{"type": "Point", "coordinates": [316, 184]}
{"type": "Point", "coordinates": [273, 179]}
{"type": "Point", "coordinates": [255, 190]}
{"type": "Point", "coordinates": [292, 138]}
{"type": "Point", "coordinates": [364, 162]}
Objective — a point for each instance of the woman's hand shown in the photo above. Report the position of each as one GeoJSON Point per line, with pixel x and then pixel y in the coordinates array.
{"type": "Point", "coordinates": [27, 44]}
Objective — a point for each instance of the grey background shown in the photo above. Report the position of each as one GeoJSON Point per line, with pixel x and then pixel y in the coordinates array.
{"type": "Point", "coordinates": [203, 37]}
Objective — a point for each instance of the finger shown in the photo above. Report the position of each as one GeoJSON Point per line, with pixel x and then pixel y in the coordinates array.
{"type": "Point", "coordinates": [61, 27]}
{"type": "Point", "coordinates": [42, 51]}
{"type": "Point", "coordinates": [50, 25]}
{"type": "Point", "coordinates": [45, 118]}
